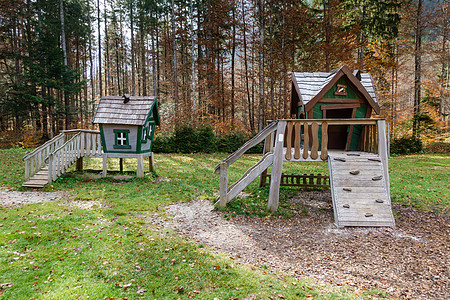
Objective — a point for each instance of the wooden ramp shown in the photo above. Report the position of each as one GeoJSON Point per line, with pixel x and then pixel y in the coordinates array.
{"type": "Point", "coordinates": [360, 190]}
{"type": "Point", "coordinates": [38, 180]}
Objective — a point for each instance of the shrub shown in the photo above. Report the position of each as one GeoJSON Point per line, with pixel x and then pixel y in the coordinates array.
{"type": "Point", "coordinates": [437, 147]}
{"type": "Point", "coordinates": [231, 141]}
{"type": "Point", "coordinates": [185, 139]}
{"type": "Point", "coordinates": [206, 140]}
{"type": "Point", "coordinates": [163, 143]}
{"type": "Point", "coordinates": [406, 145]}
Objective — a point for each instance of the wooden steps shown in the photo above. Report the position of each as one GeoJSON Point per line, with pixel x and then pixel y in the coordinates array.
{"type": "Point", "coordinates": [362, 199]}
{"type": "Point", "coordinates": [39, 180]}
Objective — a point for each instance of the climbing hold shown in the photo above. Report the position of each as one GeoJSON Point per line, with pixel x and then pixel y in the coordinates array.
{"type": "Point", "coordinates": [347, 189]}
{"type": "Point", "coordinates": [374, 159]}
{"type": "Point", "coordinates": [356, 172]}
{"type": "Point", "coordinates": [346, 205]}
{"type": "Point", "coordinates": [377, 178]}
{"type": "Point", "coordinates": [353, 154]}
{"type": "Point", "coordinates": [368, 215]}
{"type": "Point", "coordinates": [379, 201]}
{"type": "Point", "coordinates": [339, 159]}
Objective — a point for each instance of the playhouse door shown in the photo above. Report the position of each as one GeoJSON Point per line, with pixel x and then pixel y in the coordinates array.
{"type": "Point", "coordinates": [338, 134]}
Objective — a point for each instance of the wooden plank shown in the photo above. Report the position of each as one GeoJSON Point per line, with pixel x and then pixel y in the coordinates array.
{"type": "Point", "coordinates": [288, 138]}
{"type": "Point", "coordinates": [249, 176]}
{"type": "Point", "coordinates": [339, 106]}
{"type": "Point", "coordinates": [342, 100]}
{"type": "Point", "coordinates": [297, 141]}
{"type": "Point", "coordinates": [277, 167]}
{"type": "Point", "coordinates": [315, 141]}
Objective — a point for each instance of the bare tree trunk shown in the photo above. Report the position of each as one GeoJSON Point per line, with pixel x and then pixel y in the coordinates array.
{"type": "Point", "coordinates": [417, 70]}
{"type": "Point", "coordinates": [250, 115]}
{"type": "Point", "coordinates": [261, 64]}
{"type": "Point", "coordinates": [194, 100]}
{"type": "Point", "coordinates": [175, 67]}
{"type": "Point", "coordinates": [233, 54]}
{"type": "Point", "coordinates": [67, 103]}
{"type": "Point", "coordinates": [99, 50]}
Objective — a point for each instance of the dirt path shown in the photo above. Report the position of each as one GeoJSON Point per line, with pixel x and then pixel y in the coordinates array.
{"type": "Point", "coordinates": [11, 198]}
{"type": "Point", "coordinates": [411, 261]}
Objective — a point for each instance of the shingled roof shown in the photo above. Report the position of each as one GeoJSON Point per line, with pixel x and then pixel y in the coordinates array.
{"type": "Point", "coordinates": [311, 87]}
{"type": "Point", "coordinates": [113, 110]}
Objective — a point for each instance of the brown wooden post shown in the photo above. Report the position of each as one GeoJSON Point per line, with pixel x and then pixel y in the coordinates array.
{"type": "Point", "coordinates": [151, 163]}
{"type": "Point", "coordinates": [121, 164]}
{"type": "Point", "coordinates": [275, 179]}
{"type": "Point", "coordinates": [315, 140]}
{"type": "Point", "coordinates": [223, 184]}
{"type": "Point", "coordinates": [79, 164]}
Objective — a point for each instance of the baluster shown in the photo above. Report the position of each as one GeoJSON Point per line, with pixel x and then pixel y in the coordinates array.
{"type": "Point", "coordinates": [289, 141]}
{"type": "Point", "coordinates": [27, 169]}
{"type": "Point", "coordinates": [324, 148]}
{"type": "Point", "coordinates": [297, 141]}
{"type": "Point", "coordinates": [305, 140]}
{"type": "Point", "coordinates": [315, 140]}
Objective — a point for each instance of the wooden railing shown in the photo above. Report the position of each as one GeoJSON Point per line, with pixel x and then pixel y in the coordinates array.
{"type": "Point", "coordinates": [83, 143]}
{"type": "Point", "coordinates": [296, 140]}
{"type": "Point", "coordinates": [228, 193]}
{"type": "Point", "coordinates": [35, 160]}
{"type": "Point", "coordinates": [307, 140]}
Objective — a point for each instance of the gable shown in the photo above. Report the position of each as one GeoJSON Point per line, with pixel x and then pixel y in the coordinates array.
{"type": "Point", "coordinates": [312, 87]}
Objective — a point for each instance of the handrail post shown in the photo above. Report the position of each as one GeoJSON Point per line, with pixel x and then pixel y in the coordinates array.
{"type": "Point", "coordinates": [223, 184]}
{"type": "Point", "coordinates": [275, 178]}
{"type": "Point", "coordinates": [382, 150]}
{"type": "Point", "coordinates": [27, 169]}
{"type": "Point", "coordinates": [50, 168]}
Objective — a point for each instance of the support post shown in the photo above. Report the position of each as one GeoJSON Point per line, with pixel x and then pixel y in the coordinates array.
{"type": "Point", "coordinates": [50, 168]}
{"type": "Point", "coordinates": [121, 164]}
{"type": "Point", "coordinates": [105, 158]}
{"type": "Point", "coordinates": [223, 184]}
{"type": "Point", "coordinates": [79, 164]}
{"type": "Point", "coordinates": [140, 166]}
{"type": "Point", "coordinates": [277, 168]}
{"type": "Point", "coordinates": [151, 163]}
{"type": "Point", "coordinates": [27, 169]}
{"type": "Point", "coordinates": [382, 151]}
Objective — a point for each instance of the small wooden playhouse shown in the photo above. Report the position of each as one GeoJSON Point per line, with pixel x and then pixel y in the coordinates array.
{"type": "Point", "coordinates": [331, 122]}
{"type": "Point", "coordinates": [127, 125]}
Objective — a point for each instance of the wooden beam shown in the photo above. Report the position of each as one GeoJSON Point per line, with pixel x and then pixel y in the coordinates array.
{"type": "Point", "coordinates": [340, 100]}
{"type": "Point", "coordinates": [140, 167]}
{"type": "Point", "coordinates": [223, 184]}
{"type": "Point", "coordinates": [340, 106]}
{"type": "Point", "coordinates": [274, 193]}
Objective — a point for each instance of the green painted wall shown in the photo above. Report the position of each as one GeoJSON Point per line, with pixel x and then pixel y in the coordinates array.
{"type": "Point", "coordinates": [317, 112]}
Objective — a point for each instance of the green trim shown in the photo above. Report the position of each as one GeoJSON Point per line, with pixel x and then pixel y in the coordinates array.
{"type": "Point", "coordinates": [127, 140]}
{"type": "Point", "coordinates": [102, 135]}
{"type": "Point", "coordinates": [138, 139]}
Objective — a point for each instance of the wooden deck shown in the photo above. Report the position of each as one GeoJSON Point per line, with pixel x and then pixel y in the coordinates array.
{"type": "Point", "coordinates": [359, 190]}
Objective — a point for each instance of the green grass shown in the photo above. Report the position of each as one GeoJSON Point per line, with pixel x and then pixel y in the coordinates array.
{"type": "Point", "coordinates": [421, 181]}
{"type": "Point", "coordinates": [56, 251]}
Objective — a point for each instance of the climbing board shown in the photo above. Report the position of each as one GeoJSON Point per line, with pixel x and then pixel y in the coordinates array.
{"type": "Point", "coordinates": [360, 190]}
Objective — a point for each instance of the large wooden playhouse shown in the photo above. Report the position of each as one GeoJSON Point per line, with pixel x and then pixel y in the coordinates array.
{"type": "Point", "coordinates": [331, 122]}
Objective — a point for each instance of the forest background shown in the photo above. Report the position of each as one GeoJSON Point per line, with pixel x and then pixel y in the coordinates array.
{"type": "Point", "coordinates": [225, 64]}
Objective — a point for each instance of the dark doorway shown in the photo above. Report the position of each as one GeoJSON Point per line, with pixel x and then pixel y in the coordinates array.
{"type": "Point", "coordinates": [338, 134]}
